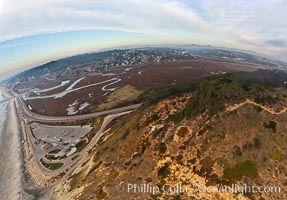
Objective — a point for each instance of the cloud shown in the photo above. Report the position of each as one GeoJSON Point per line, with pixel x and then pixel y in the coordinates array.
{"type": "Point", "coordinates": [257, 25]}
{"type": "Point", "coordinates": [249, 24]}
{"type": "Point", "coordinates": [277, 43]}
{"type": "Point", "coordinates": [1, 6]}
{"type": "Point", "coordinates": [219, 18]}
{"type": "Point", "coordinates": [30, 16]}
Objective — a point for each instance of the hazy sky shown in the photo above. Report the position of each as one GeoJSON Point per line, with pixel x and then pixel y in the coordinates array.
{"type": "Point", "coordinates": [34, 32]}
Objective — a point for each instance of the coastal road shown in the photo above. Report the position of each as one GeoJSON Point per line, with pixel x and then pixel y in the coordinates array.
{"type": "Point", "coordinates": [30, 116]}
{"type": "Point", "coordinates": [67, 161]}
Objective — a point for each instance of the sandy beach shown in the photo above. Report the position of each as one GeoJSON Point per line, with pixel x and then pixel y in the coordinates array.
{"type": "Point", "coordinates": [15, 183]}
{"type": "Point", "coordinates": [10, 165]}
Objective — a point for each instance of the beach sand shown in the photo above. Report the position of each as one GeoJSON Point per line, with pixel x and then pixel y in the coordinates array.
{"type": "Point", "coordinates": [15, 183]}
{"type": "Point", "coordinates": [10, 165]}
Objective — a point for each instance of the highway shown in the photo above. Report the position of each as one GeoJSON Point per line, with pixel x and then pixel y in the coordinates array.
{"type": "Point", "coordinates": [30, 116]}
{"type": "Point", "coordinates": [38, 154]}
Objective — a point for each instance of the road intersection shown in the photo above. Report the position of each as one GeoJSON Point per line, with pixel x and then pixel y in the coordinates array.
{"type": "Point", "coordinates": [28, 116]}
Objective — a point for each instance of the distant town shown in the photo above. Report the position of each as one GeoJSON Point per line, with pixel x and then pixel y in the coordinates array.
{"type": "Point", "coordinates": [88, 64]}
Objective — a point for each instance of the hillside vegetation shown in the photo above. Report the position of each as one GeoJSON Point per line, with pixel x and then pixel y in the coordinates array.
{"type": "Point", "coordinates": [216, 131]}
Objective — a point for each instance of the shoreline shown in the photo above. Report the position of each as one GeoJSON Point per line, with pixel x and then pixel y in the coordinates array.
{"type": "Point", "coordinates": [16, 182]}
{"type": "Point", "coordinates": [10, 165]}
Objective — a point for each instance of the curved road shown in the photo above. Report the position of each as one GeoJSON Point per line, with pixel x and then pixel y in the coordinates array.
{"type": "Point", "coordinates": [67, 161]}
{"type": "Point", "coordinates": [43, 118]}
{"type": "Point", "coordinates": [30, 116]}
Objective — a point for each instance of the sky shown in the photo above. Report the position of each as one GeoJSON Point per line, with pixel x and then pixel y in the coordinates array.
{"type": "Point", "coordinates": [33, 32]}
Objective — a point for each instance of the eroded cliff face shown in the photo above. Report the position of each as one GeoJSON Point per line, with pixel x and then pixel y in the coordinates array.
{"type": "Point", "coordinates": [224, 140]}
{"type": "Point", "coordinates": [197, 157]}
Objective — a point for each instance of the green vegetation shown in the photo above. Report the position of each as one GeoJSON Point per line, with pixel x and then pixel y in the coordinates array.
{"type": "Point", "coordinates": [51, 166]}
{"type": "Point", "coordinates": [80, 144]}
{"type": "Point", "coordinates": [101, 195]}
{"type": "Point", "coordinates": [271, 125]}
{"type": "Point", "coordinates": [177, 117]}
{"type": "Point", "coordinates": [75, 157]}
{"type": "Point", "coordinates": [212, 93]}
{"type": "Point", "coordinates": [277, 155]}
{"type": "Point", "coordinates": [56, 166]}
{"type": "Point", "coordinates": [156, 94]}
{"type": "Point", "coordinates": [235, 173]}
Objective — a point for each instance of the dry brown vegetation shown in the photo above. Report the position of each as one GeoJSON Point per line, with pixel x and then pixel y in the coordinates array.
{"type": "Point", "coordinates": [245, 144]}
{"type": "Point", "coordinates": [141, 77]}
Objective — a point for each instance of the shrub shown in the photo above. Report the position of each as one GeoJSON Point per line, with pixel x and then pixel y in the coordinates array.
{"type": "Point", "coordinates": [271, 125]}
{"type": "Point", "coordinates": [163, 172]}
{"type": "Point", "coordinates": [235, 173]}
{"type": "Point", "coordinates": [162, 148]}
{"type": "Point", "coordinates": [236, 151]}
{"type": "Point", "coordinates": [277, 155]}
{"type": "Point", "coordinates": [182, 131]}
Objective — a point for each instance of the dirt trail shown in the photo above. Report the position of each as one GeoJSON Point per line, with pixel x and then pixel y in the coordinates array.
{"type": "Point", "coordinates": [248, 101]}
